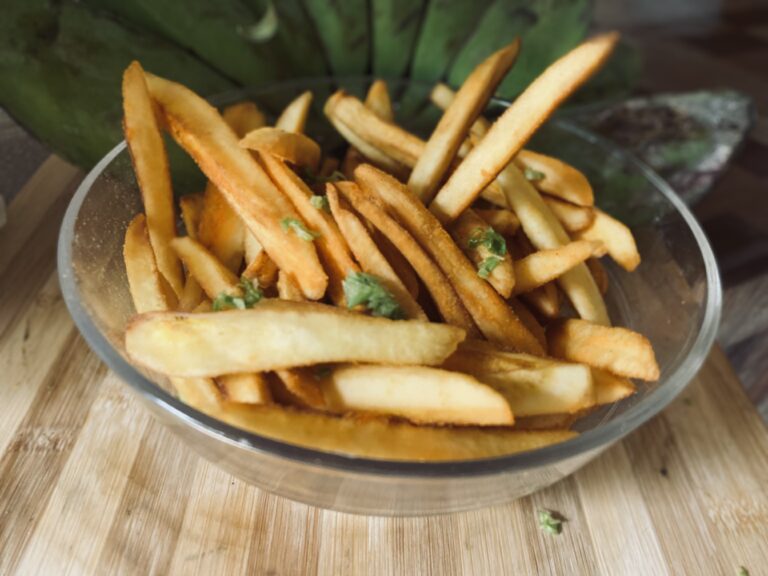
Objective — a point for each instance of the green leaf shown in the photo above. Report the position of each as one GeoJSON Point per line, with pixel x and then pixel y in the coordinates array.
{"type": "Point", "coordinates": [743, 571]}
{"type": "Point", "coordinates": [251, 293]}
{"type": "Point", "coordinates": [320, 202]}
{"type": "Point", "coordinates": [550, 522]}
{"type": "Point", "coordinates": [251, 296]}
{"type": "Point", "coordinates": [487, 266]}
{"type": "Point", "coordinates": [298, 228]}
{"type": "Point", "coordinates": [366, 289]}
{"type": "Point", "coordinates": [490, 239]}
{"type": "Point", "coordinates": [533, 175]}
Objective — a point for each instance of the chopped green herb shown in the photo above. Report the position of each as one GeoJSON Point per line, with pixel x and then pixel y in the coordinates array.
{"type": "Point", "coordinates": [490, 239]}
{"type": "Point", "coordinates": [487, 266]}
{"type": "Point", "coordinates": [533, 175]}
{"type": "Point", "coordinates": [550, 522]}
{"type": "Point", "coordinates": [366, 289]}
{"type": "Point", "coordinates": [298, 228]}
{"type": "Point", "coordinates": [743, 571]}
{"type": "Point", "coordinates": [321, 372]}
{"type": "Point", "coordinates": [320, 202]}
{"type": "Point", "coordinates": [251, 296]}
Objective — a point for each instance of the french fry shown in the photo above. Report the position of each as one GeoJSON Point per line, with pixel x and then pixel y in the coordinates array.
{"type": "Point", "coordinates": [469, 231]}
{"type": "Point", "coordinates": [245, 388]}
{"type": "Point", "coordinates": [447, 301]}
{"type": "Point", "coordinates": [546, 265]}
{"type": "Point", "coordinates": [491, 314]}
{"type": "Point", "coordinates": [262, 269]}
{"type": "Point", "coordinates": [377, 99]}
{"type": "Point", "coordinates": [503, 221]}
{"type": "Point", "coordinates": [361, 147]}
{"type": "Point", "coordinates": [380, 439]}
{"type": "Point", "coordinates": [451, 130]}
{"type": "Point", "coordinates": [610, 388]}
{"type": "Point", "coordinates": [547, 421]}
{"type": "Point", "coordinates": [192, 295]}
{"type": "Point", "coordinates": [616, 237]}
{"type": "Point", "coordinates": [191, 206]}
{"type": "Point", "coordinates": [328, 166]}
{"type": "Point", "coordinates": [243, 117]}
{"type": "Point", "coordinates": [145, 282]}
{"type": "Point", "coordinates": [370, 258]}
{"type": "Point", "coordinates": [617, 350]}
{"type": "Point", "coordinates": [204, 306]}
{"type": "Point", "coordinates": [573, 218]}
{"type": "Point", "coordinates": [294, 117]}
{"type": "Point", "coordinates": [287, 289]}
{"type": "Point", "coordinates": [205, 268]}
{"type": "Point", "coordinates": [303, 387]}
{"type": "Point", "coordinates": [443, 95]}
{"type": "Point", "coordinates": [545, 232]}
{"type": "Point", "coordinates": [199, 129]}
{"type": "Point", "coordinates": [544, 300]}
{"type": "Point", "coordinates": [419, 394]}
{"type": "Point", "coordinates": [352, 159]}
{"type": "Point", "coordinates": [518, 123]}
{"type": "Point", "coordinates": [150, 164]}
{"type": "Point", "coordinates": [331, 246]}
{"type": "Point", "coordinates": [221, 230]}
{"type": "Point", "coordinates": [529, 321]}
{"type": "Point", "coordinates": [276, 334]}
{"type": "Point", "coordinates": [556, 178]}
{"type": "Point", "coordinates": [298, 149]}
{"type": "Point", "coordinates": [599, 274]}
{"type": "Point", "coordinates": [533, 386]}
{"type": "Point", "coordinates": [398, 262]}
{"type": "Point", "coordinates": [252, 248]}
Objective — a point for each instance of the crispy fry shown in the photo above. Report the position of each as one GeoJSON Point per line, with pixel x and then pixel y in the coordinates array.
{"type": "Point", "coordinates": [448, 303]}
{"type": "Point", "coordinates": [545, 232]}
{"type": "Point", "coordinates": [377, 99]}
{"type": "Point", "coordinates": [298, 149]}
{"type": "Point", "coordinates": [191, 211]}
{"type": "Point", "coordinates": [287, 289]}
{"type": "Point", "coordinates": [573, 218]}
{"type": "Point", "coordinates": [210, 273]}
{"type": "Point", "coordinates": [502, 220]}
{"type": "Point", "coordinates": [145, 282]}
{"type": "Point", "coordinates": [204, 306]}
{"type": "Point", "coordinates": [518, 123]}
{"type": "Point", "coordinates": [491, 314]}
{"type": "Point", "coordinates": [367, 150]}
{"type": "Point", "coordinates": [150, 164]}
{"type": "Point", "coordinates": [303, 386]}
{"type": "Point", "coordinates": [529, 321]}
{"type": "Point", "coordinates": [331, 247]}
{"type": "Point", "coordinates": [469, 231]}
{"type": "Point", "coordinates": [598, 273]}
{"type": "Point", "coordinates": [243, 117]}
{"type": "Point", "coordinates": [452, 128]}
{"type": "Point", "coordinates": [546, 265]}
{"type": "Point", "coordinates": [422, 395]}
{"type": "Point", "coordinates": [294, 117]}
{"type": "Point", "coordinates": [221, 230]}
{"type": "Point", "coordinates": [370, 258]}
{"type": "Point", "coordinates": [556, 178]}
{"type": "Point", "coordinates": [398, 262]}
{"type": "Point", "coordinates": [442, 96]}
{"type": "Point", "coordinates": [262, 269]}
{"type": "Point", "coordinates": [544, 300]}
{"type": "Point", "coordinates": [252, 247]}
{"type": "Point", "coordinates": [245, 388]}
{"type": "Point", "coordinates": [610, 388]}
{"type": "Point", "coordinates": [192, 295]}
{"type": "Point", "coordinates": [617, 350]}
{"type": "Point", "coordinates": [200, 130]}
{"type": "Point", "coordinates": [276, 334]}
{"type": "Point", "coordinates": [616, 237]}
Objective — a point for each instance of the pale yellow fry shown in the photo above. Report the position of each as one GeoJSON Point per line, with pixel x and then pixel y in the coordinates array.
{"type": "Point", "coordinates": [303, 386]}
{"type": "Point", "coordinates": [419, 394]}
{"type": "Point", "coordinates": [559, 179]}
{"type": "Point", "coordinates": [381, 439]}
{"type": "Point", "coordinates": [518, 123]}
{"type": "Point", "coordinates": [262, 269]}
{"type": "Point", "coordinates": [150, 164]}
{"type": "Point", "coordinates": [287, 289]}
{"type": "Point", "coordinates": [294, 117]}
{"type": "Point", "coordinates": [191, 211]}
{"type": "Point", "coordinates": [203, 266]}
{"type": "Point", "coordinates": [370, 258]}
{"type": "Point", "coordinates": [464, 230]}
{"type": "Point", "coordinates": [545, 232]}
{"type": "Point", "coordinates": [616, 237]}
{"type": "Point", "coordinates": [442, 96]}
{"type": "Point", "coordinates": [298, 149]}
{"type": "Point", "coordinates": [573, 218]}
{"type": "Point", "coordinates": [245, 388]}
{"type": "Point", "coordinates": [610, 388]}
{"type": "Point", "coordinates": [532, 385]}
{"type": "Point", "coordinates": [192, 295]}
{"type": "Point", "coordinates": [144, 279]}
{"type": "Point", "coordinates": [546, 265]}
{"type": "Point", "coordinates": [221, 230]}
{"type": "Point", "coordinates": [252, 247]}
{"type": "Point", "coordinates": [378, 100]}
{"type": "Point", "coordinates": [617, 350]}
{"type": "Point", "coordinates": [493, 317]}
{"type": "Point", "coordinates": [447, 301]}
{"type": "Point", "coordinates": [503, 221]}
{"type": "Point", "coordinates": [545, 300]}
{"type": "Point", "coordinates": [200, 393]}
{"type": "Point", "coordinates": [244, 117]}
{"type": "Point", "coordinates": [277, 334]}
{"type": "Point", "coordinates": [331, 246]}
{"type": "Point", "coordinates": [529, 321]}
{"type": "Point", "coordinates": [451, 130]}
{"type": "Point", "coordinates": [201, 131]}
{"type": "Point", "coordinates": [367, 150]}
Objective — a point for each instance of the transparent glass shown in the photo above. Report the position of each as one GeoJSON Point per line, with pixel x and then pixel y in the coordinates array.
{"type": "Point", "coordinates": [674, 298]}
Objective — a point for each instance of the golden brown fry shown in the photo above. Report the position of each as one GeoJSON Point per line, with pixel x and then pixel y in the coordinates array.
{"type": "Point", "coordinates": [398, 262]}
{"type": "Point", "coordinates": [548, 421]}
{"type": "Point", "coordinates": [442, 96]}
{"type": "Point", "coordinates": [573, 218]}
{"type": "Point", "coordinates": [352, 159]}
{"type": "Point", "coordinates": [544, 300]}
{"type": "Point", "coordinates": [419, 394]}
{"type": "Point", "coordinates": [221, 230]}
{"type": "Point", "coordinates": [451, 130]}
{"type": "Point", "coordinates": [294, 117]}
{"type": "Point", "coordinates": [203, 266]}
{"type": "Point", "coordinates": [277, 334]}
{"type": "Point", "coordinates": [243, 117]}
{"type": "Point", "coordinates": [191, 211]}
{"type": "Point", "coordinates": [518, 123]}
{"type": "Point", "coordinates": [377, 99]}
{"type": "Point", "coordinates": [287, 289]}
{"type": "Point", "coordinates": [303, 386]}
{"type": "Point", "coordinates": [201, 131]}
{"type": "Point", "coordinates": [529, 321]}
{"type": "Point", "coordinates": [370, 258]}
{"type": "Point", "coordinates": [204, 306]}
{"type": "Point", "coordinates": [616, 237]}
{"type": "Point", "coordinates": [331, 246]}
{"type": "Point", "coordinates": [150, 164]}
{"type": "Point", "coordinates": [467, 231]}
{"type": "Point", "coordinates": [610, 388]}
{"type": "Point", "coordinates": [262, 269]}
{"type": "Point", "coordinates": [556, 178]}
{"type": "Point", "coordinates": [360, 146]}
{"type": "Point", "coordinates": [192, 295]}
{"type": "Point", "coordinates": [598, 273]}
{"type": "Point", "coordinates": [298, 149]}
{"type": "Point", "coordinates": [447, 301]}
{"type": "Point", "coordinates": [245, 388]}
{"type": "Point", "coordinates": [546, 265]}
{"type": "Point", "coordinates": [493, 317]}
{"type": "Point", "coordinates": [503, 221]}
{"type": "Point", "coordinates": [144, 279]}
{"type": "Point", "coordinates": [617, 350]}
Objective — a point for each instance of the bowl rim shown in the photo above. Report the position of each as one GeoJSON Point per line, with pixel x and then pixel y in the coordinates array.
{"type": "Point", "coordinates": [592, 440]}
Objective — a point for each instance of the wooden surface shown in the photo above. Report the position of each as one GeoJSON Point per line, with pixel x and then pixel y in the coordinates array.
{"type": "Point", "coordinates": [89, 484]}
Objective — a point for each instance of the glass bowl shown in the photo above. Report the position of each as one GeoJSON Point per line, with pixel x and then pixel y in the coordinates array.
{"type": "Point", "coordinates": [674, 298]}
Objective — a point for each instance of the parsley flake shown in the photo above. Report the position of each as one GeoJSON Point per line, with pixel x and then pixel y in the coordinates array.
{"type": "Point", "coordinates": [533, 175]}
{"type": "Point", "coordinates": [743, 571]}
{"type": "Point", "coordinates": [251, 296]}
{"type": "Point", "coordinates": [298, 228]}
{"type": "Point", "coordinates": [487, 266]}
{"type": "Point", "coordinates": [320, 202]}
{"type": "Point", "coordinates": [366, 289]}
{"type": "Point", "coordinates": [550, 522]}
{"type": "Point", "coordinates": [489, 239]}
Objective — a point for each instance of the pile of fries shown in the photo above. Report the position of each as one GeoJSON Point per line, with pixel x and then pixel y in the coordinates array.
{"type": "Point", "coordinates": [411, 300]}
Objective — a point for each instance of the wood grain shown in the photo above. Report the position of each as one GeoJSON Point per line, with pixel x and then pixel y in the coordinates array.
{"type": "Point", "coordinates": [89, 484]}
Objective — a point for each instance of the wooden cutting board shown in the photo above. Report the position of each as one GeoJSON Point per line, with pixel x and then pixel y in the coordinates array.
{"type": "Point", "coordinates": [89, 484]}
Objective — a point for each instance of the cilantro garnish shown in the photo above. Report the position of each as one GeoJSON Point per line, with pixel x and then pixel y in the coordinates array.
{"type": "Point", "coordinates": [251, 296]}
{"type": "Point", "coordinates": [487, 266]}
{"type": "Point", "coordinates": [489, 239]}
{"type": "Point", "coordinates": [298, 228]}
{"type": "Point", "coordinates": [533, 175]}
{"type": "Point", "coordinates": [366, 289]}
{"type": "Point", "coordinates": [743, 571]}
{"type": "Point", "coordinates": [320, 202]}
{"type": "Point", "coordinates": [550, 522]}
